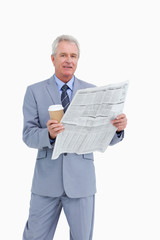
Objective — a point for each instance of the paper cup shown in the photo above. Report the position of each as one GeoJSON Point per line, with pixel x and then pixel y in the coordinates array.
{"type": "Point", "coordinates": [56, 112]}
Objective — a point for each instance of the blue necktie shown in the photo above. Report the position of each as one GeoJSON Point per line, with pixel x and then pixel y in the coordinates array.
{"type": "Point", "coordinates": [64, 97]}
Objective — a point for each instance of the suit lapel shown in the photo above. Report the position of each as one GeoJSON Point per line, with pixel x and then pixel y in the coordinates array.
{"type": "Point", "coordinates": [53, 91]}
{"type": "Point", "coordinates": [75, 87]}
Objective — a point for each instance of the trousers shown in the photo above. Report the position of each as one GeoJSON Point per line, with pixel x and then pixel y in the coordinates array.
{"type": "Point", "coordinates": [44, 213]}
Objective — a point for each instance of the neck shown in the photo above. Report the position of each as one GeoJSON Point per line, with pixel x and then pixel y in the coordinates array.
{"type": "Point", "coordinates": [64, 79]}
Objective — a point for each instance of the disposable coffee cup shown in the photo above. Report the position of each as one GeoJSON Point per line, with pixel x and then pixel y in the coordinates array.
{"type": "Point", "coordinates": [56, 112]}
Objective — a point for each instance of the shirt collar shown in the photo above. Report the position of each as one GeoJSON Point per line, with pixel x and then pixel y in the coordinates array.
{"type": "Point", "coordinates": [60, 83]}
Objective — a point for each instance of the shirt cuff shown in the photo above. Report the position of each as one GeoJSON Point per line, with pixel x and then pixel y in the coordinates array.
{"type": "Point", "coordinates": [121, 133]}
{"type": "Point", "coordinates": [52, 140]}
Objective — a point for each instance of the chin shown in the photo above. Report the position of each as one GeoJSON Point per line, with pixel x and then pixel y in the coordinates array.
{"type": "Point", "coordinates": [67, 75]}
{"type": "Point", "coordinates": [68, 72]}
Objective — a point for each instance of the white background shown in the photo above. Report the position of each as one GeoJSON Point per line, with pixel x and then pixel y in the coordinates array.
{"type": "Point", "coordinates": [119, 41]}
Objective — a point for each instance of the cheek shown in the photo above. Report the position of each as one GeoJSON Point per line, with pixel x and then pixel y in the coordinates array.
{"type": "Point", "coordinates": [59, 65]}
{"type": "Point", "coordinates": [75, 64]}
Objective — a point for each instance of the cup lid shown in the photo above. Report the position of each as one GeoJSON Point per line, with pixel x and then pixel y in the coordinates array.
{"type": "Point", "coordinates": [55, 107]}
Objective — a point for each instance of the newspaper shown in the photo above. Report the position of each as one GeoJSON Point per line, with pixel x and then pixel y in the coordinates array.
{"type": "Point", "coordinates": [87, 121]}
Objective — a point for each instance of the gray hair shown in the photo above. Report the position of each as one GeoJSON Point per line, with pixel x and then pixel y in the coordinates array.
{"type": "Point", "coordinates": [61, 38]}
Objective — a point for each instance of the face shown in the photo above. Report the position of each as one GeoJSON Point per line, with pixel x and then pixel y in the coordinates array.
{"type": "Point", "coordinates": [65, 61]}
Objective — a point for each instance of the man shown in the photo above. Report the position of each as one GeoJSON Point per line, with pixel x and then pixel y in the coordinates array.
{"type": "Point", "coordinates": [68, 181]}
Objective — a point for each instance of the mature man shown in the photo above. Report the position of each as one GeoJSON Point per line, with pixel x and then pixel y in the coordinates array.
{"type": "Point", "coordinates": [68, 181]}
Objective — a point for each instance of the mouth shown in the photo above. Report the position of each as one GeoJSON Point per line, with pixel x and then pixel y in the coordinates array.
{"type": "Point", "coordinates": [67, 67]}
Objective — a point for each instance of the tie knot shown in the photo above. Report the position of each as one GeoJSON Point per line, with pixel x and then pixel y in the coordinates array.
{"type": "Point", "coordinates": [64, 88]}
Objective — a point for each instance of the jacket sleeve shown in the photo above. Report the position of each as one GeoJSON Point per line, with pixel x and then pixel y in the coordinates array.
{"type": "Point", "coordinates": [117, 138]}
{"type": "Point", "coordinates": [33, 134]}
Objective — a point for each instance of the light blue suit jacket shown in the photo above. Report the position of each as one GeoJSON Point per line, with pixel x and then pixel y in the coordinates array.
{"type": "Point", "coordinates": [72, 173]}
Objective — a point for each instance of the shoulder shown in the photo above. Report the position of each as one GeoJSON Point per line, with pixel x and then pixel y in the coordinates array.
{"type": "Point", "coordinates": [84, 84]}
{"type": "Point", "coordinates": [39, 85]}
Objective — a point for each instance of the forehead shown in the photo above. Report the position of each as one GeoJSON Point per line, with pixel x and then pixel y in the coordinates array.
{"type": "Point", "coordinates": [67, 47]}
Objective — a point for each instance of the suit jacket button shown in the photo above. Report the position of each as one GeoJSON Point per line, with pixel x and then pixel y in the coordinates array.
{"type": "Point", "coordinates": [65, 154]}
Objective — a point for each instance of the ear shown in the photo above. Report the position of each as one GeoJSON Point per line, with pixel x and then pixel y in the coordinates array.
{"type": "Point", "coordinates": [53, 59]}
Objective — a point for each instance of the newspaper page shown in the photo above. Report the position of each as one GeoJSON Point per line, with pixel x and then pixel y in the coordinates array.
{"type": "Point", "coordinates": [87, 121]}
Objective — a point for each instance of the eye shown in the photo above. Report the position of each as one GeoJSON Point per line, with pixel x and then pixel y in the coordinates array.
{"type": "Point", "coordinates": [74, 56]}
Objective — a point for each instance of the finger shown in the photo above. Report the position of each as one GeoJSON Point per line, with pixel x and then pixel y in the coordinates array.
{"type": "Point", "coordinates": [121, 116]}
{"type": "Point", "coordinates": [120, 120]}
{"type": "Point", "coordinates": [116, 121]}
{"type": "Point", "coordinates": [58, 129]}
{"type": "Point", "coordinates": [118, 125]}
{"type": "Point", "coordinates": [56, 133]}
{"type": "Point", "coordinates": [51, 122]}
{"type": "Point", "coordinates": [52, 126]}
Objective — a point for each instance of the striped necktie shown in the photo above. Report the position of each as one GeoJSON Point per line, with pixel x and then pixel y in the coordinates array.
{"type": "Point", "coordinates": [64, 97]}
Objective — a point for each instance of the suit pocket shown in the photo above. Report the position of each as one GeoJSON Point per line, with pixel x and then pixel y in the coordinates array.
{"type": "Point", "coordinates": [41, 154]}
{"type": "Point", "coordinates": [88, 156]}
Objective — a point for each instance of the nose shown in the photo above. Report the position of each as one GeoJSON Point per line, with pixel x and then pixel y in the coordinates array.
{"type": "Point", "coordinates": [68, 60]}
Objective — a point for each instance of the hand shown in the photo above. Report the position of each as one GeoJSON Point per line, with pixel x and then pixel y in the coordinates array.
{"type": "Point", "coordinates": [120, 122]}
{"type": "Point", "coordinates": [54, 128]}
